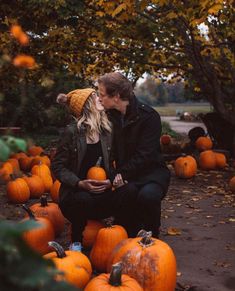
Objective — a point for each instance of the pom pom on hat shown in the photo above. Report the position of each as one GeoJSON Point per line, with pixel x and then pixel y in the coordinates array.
{"type": "Point", "coordinates": [75, 99]}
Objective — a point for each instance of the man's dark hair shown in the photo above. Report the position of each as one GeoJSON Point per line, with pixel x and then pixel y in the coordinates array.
{"type": "Point", "coordinates": [115, 83]}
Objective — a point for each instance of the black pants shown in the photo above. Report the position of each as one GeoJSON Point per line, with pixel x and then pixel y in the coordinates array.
{"type": "Point", "coordinates": [144, 209]}
{"type": "Point", "coordinates": [80, 206]}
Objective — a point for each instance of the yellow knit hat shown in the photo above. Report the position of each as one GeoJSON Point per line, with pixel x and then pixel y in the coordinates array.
{"type": "Point", "coordinates": [75, 99]}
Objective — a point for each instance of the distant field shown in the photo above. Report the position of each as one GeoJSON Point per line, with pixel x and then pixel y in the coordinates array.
{"type": "Point", "coordinates": [172, 109]}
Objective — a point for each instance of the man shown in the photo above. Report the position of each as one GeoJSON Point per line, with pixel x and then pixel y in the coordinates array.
{"type": "Point", "coordinates": [136, 151]}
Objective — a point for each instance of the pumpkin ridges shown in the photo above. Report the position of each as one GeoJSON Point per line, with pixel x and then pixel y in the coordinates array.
{"type": "Point", "coordinates": [35, 184]}
{"type": "Point", "coordinates": [185, 167]}
{"type": "Point", "coordinates": [44, 172]}
{"type": "Point", "coordinates": [18, 191]}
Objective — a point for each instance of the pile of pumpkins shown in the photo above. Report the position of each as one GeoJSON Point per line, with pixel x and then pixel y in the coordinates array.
{"type": "Point", "coordinates": [141, 263]}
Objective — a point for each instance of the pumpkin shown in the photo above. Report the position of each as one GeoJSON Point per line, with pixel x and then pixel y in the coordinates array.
{"type": "Point", "coordinates": [115, 281]}
{"type": "Point", "coordinates": [44, 172]}
{"type": "Point", "coordinates": [165, 139]}
{"type": "Point", "coordinates": [38, 238]}
{"type": "Point", "coordinates": [18, 190]}
{"type": "Point", "coordinates": [18, 155]}
{"type": "Point", "coordinates": [15, 164]}
{"type": "Point", "coordinates": [51, 211]}
{"type": "Point", "coordinates": [232, 184]}
{"type": "Point", "coordinates": [43, 159]}
{"type": "Point", "coordinates": [35, 184]}
{"type": "Point", "coordinates": [25, 163]}
{"type": "Point", "coordinates": [97, 172]}
{"type": "Point", "coordinates": [203, 143]}
{"type": "Point", "coordinates": [207, 160]}
{"type": "Point", "coordinates": [106, 240]}
{"type": "Point", "coordinates": [220, 160]}
{"type": "Point", "coordinates": [90, 232]}
{"type": "Point", "coordinates": [5, 171]}
{"type": "Point", "coordinates": [35, 150]}
{"type": "Point", "coordinates": [185, 167]}
{"type": "Point", "coordinates": [55, 190]}
{"type": "Point", "coordinates": [151, 262]}
{"type": "Point", "coordinates": [75, 266]}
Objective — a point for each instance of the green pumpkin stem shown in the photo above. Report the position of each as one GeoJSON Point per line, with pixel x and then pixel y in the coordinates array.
{"type": "Point", "coordinates": [99, 161]}
{"type": "Point", "coordinates": [43, 201]}
{"type": "Point", "coordinates": [29, 211]}
{"type": "Point", "coordinates": [115, 278]}
{"type": "Point", "coordinates": [58, 249]}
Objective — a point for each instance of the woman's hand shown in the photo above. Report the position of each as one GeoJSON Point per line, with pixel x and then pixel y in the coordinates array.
{"type": "Point", "coordinates": [118, 181]}
{"type": "Point", "coordinates": [94, 186]}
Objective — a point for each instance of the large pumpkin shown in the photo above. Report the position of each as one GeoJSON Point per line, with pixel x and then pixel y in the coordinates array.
{"type": "Point", "coordinates": [207, 160]}
{"type": "Point", "coordinates": [185, 167]}
{"type": "Point", "coordinates": [18, 190]}
{"type": "Point", "coordinates": [44, 172]}
{"type": "Point", "coordinates": [75, 266]}
{"type": "Point", "coordinates": [97, 172]}
{"type": "Point", "coordinates": [106, 240]}
{"type": "Point", "coordinates": [115, 281]}
{"type": "Point", "coordinates": [203, 143]}
{"type": "Point", "coordinates": [51, 211]}
{"type": "Point", "coordinates": [35, 184]}
{"type": "Point", "coordinates": [38, 238]}
{"type": "Point", "coordinates": [148, 260]}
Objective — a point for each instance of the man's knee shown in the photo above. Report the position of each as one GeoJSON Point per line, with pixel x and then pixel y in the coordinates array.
{"type": "Point", "coordinates": [150, 195]}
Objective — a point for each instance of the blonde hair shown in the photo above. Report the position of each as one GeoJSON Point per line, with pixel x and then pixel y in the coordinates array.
{"type": "Point", "coordinates": [93, 120]}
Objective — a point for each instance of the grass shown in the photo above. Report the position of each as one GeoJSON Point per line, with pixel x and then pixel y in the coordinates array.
{"type": "Point", "coordinates": [171, 109]}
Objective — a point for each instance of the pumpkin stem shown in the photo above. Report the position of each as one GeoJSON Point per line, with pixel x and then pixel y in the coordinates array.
{"type": "Point", "coordinates": [99, 161]}
{"type": "Point", "coordinates": [58, 249]}
{"type": "Point", "coordinates": [109, 221]}
{"type": "Point", "coordinates": [141, 233]}
{"type": "Point", "coordinates": [29, 211]}
{"type": "Point", "coordinates": [146, 240]}
{"type": "Point", "coordinates": [43, 201]}
{"type": "Point", "coordinates": [115, 278]}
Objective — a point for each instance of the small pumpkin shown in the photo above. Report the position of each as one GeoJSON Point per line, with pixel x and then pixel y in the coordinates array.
{"type": "Point", "coordinates": [115, 281]}
{"type": "Point", "coordinates": [165, 139]}
{"type": "Point", "coordinates": [43, 159]}
{"type": "Point", "coordinates": [15, 164]}
{"type": "Point", "coordinates": [25, 163]}
{"type": "Point", "coordinates": [18, 190]}
{"type": "Point", "coordinates": [35, 150]}
{"type": "Point", "coordinates": [232, 184]}
{"type": "Point", "coordinates": [18, 155]}
{"type": "Point", "coordinates": [151, 262]}
{"type": "Point", "coordinates": [106, 240]}
{"type": "Point", "coordinates": [220, 160]}
{"type": "Point", "coordinates": [90, 232]}
{"type": "Point", "coordinates": [38, 238]}
{"type": "Point", "coordinates": [5, 171]}
{"type": "Point", "coordinates": [185, 167]}
{"type": "Point", "coordinates": [44, 172]}
{"type": "Point", "coordinates": [55, 191]}
{"type": "Point", "coordinates": [203, 143]}
{"type": "Point", "coordinates": [51, 211]}
{"type": "Point", "coordinates": [35, 184]}
{"type": "Point", "coordinates": [97, 172]}
{"type": "Point", "coordinates": [75, 266]}
{"type": "Point", "coordinates": [207, 160]}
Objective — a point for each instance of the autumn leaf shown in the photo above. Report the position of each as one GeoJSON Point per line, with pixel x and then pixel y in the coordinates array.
{"type": "Point", "coordinates": [119, 9]}
{"type": "Point", "coordinates": [173, 231]}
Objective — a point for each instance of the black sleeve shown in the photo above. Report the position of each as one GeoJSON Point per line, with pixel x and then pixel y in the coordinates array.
{"type": "Point", "coordinates": [147, 149]}
{"type": "Point", "coordinates": [62, 159]}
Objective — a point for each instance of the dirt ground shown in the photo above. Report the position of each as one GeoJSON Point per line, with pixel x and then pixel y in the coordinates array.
{"type": "Point", "coordinates": [198, 222]}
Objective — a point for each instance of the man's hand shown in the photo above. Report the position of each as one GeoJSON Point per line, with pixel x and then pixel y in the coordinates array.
{"type": "Point", "coordinates": [95, 186]}
{"type": "Point", "coordinates": [118, 181]}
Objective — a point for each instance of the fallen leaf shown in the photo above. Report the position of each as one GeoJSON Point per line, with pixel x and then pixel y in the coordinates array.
{"type": "Point", "coordinates": [173, 231]}
{"type": "Point", "coordinates": [178, 274]}
{"type": "Point", "coordinates": [232, 219]}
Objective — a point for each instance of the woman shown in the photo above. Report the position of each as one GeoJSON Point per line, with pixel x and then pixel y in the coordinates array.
{"type": "Point", "coordinates": [82, 143]}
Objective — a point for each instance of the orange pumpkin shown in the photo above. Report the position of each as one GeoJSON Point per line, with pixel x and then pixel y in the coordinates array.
{"type": "Point", "coordinates": [18, 155]}
{"type": "Point", "coordinates": [165, 139]}
{"type": "Point", "coordinates": [15, 164]}
{"type": "Point", "coordinates": [38, 238]}
{"type": "Point", "coordinates": [148, 260]}
{"type": "Point", "coordinates": [51, 211]}
{"type": "Point", "coordinates": [55, 191]}
{"type": "Point", "coordinates": [18, 190]}
{"type": "Point", "coordinates": [203, 143]}
{"type": "Point", "coordinates": [207, 160]}
{"type": "Point", "coordinates": [90, 232]}
{"type": "Point", "coordinates": [25, 163]}
{"type": "Point", "coordinates": [106, 240]}
{"type": "Point", "coordinates": [5, 171]}
{"type": "Point", "coordinates": [185, 167]}
{"type": "Point", "coordinates": [43, 159]}
{"type": "Point", "coordinates": [220, 160]}
{"type": "Point", "coordinates": [232, 184]}
{"type": "Point", "coordinates": [35, 184]}
{"type": "Point", "coordinates": [97, 172]}
{"type": "Point", "coordinates": [35, 150]}
{"type": "Point", "coordinates": [115, 281]}
{"type": "Point", "coordinates": [44, 172]}
{"type": "Point", "coordinates": [75, 266]}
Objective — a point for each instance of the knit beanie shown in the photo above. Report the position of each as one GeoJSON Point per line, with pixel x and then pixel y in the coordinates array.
{"type": "Point", "coordinates": [75, 99]}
